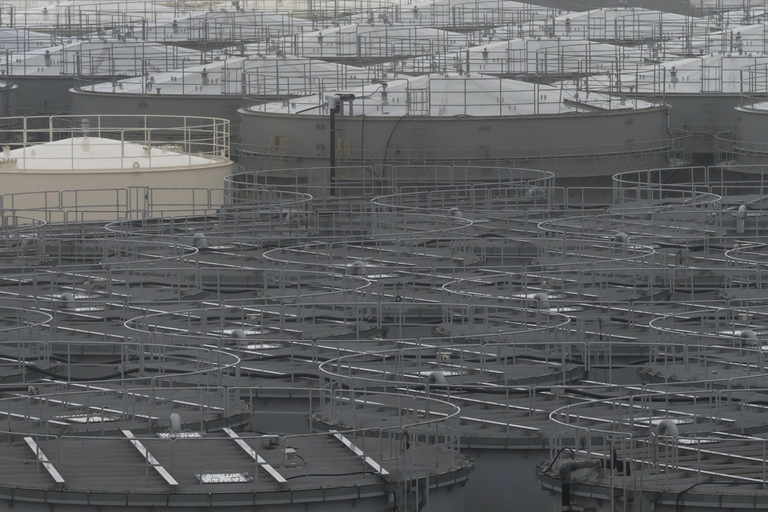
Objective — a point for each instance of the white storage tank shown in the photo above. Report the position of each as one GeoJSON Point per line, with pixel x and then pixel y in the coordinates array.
{"type": "Point", "coordinates": [461, 15]}
{"type": "Point", "coordinates": [728, 38]}
{"type": "Point", "coordinates": [229, 24]}
{"type": "Point", "coordinates": [216, 89]}
{"type": "Point", "coordinates": [628, 25]}
{"type": "Point", "coordinates": [363, 44]}
{"type": "Point", "coordinates": [111, 152]}
{"type": "Point", "coordinates": [533, 58]}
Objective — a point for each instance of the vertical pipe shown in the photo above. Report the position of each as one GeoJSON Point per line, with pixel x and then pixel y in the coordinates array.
{"type": "Point", "coordinates": [332, 111]}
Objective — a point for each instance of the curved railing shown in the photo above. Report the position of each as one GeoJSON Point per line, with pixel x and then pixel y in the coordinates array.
{"type": "Point", "coordinates": [115, 363]}
{"type": "Point", "coordinates": [161, 136]}
{"type": "Point", "coordinates": [650, 437]}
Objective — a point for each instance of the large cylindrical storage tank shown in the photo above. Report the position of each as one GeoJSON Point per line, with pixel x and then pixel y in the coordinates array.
{"type": "Point", "coordinates": [701, 91]}
{"type": "Point", "coordinates": [45, 75]}
{"type": "Point", "coordinates": [42, 94]}
{"type": "Point", "coordinates": [533, 59]}
{"type": "Point", "coordinates": [506, 446]}
{"type": "Point", "coordinates": [110, 152]}
{"type": "Point", "coordinates": [457, 119]}
{"type": "Point", "coordinates": [216, 89]}
{"type": "Point", "coordinates": [206, 90]}
{"type": "Point", "coordinates": [629, 25]}
{"type": "Point", "coordinates": [363, 44]}
{"type": "Point", "coordinates": [748, 142]}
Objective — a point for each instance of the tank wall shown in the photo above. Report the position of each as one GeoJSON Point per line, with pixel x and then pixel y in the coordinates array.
{"type": "Point", "coordinates": [42, 95]}
{"type": "Point", "coordinates": [752, 126]}
{"type": "Point", "coordinates": [203, 106]}
{"type": "Point", "coordinates": [645, 502]}
{"type": "Point", "coordinates": [704, 116]}
{"type": "Point", "coordinates": [505, 480]}
{"type": "Point", "coordinates": [362, 505]}
{"type": "Point", "coordinates": [752, 137]}
{"type": "Point", "coordinates": [701, 113]}
{"type": "Point", "coordinates": [18, 181]}
{"type": "Point", "coordinates": [571, 145]}
{"type": "Point", "coordinates": [443, 499]}
{"type": "Point", "coordinates": [8, 101]}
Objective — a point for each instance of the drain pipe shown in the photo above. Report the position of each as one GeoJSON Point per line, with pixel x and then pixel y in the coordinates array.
{"type": "Point", "coordinates": [566, 469]}
{"type": "Point", "coordinates": [423, 497]}
{"type": "Point", "coordinates": [741, 216]}
{"type": "Point", "coordinates": [542, 300]}
{"type": "Point", "coordinates": [666, 427]}
{"type": "Point", "coordinates": [70, 300]}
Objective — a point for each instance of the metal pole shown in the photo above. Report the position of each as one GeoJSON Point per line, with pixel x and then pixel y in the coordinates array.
{"type": "Point", "coordinates": [332, 110]}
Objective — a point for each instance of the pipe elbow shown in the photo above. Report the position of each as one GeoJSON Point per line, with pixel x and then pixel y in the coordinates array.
{"type": "Point", "coordinates": [669, 428]}
{"type": "Point", "coordinates": [436, 377]}
{"type": "Point", "coordinates": [542, 300]}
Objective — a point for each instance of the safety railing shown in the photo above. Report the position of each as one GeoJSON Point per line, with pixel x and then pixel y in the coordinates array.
{"type": "Point", "coordinates": [647, 437]}
{"type": "Point", "coordinates": [117, 361]}
{"type": "Point", "coordinates": [171, 138]}
{"type": "Point", "coordinates": [82, 206]}
{"type": "Point", "coordinates": [222, 326]}
{"type": "Point", "coordinates": [89, 61]}
{"type": "Point", "coordinates": [53, 405]}
{"type": "Point", "coordinates": [285, 80]}
{"type": "Point", "coordinates": [735, 326]}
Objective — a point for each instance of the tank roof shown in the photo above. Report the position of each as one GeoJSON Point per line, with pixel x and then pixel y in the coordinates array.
{"type": "Point", "coordinates": [539, 57]}
{"type": "Point", "coordinates": [609, 14]}
{"type": "Point", "coordinates": [267, 77]}
{"type": "Point", "coordinates": [455, 96]}
{"type": "Point", "coordinates": [717, 73]}
{"type": "Point", "coordinates": [97, 153]}
{"type": "Point", "coordinates": [110, 58]}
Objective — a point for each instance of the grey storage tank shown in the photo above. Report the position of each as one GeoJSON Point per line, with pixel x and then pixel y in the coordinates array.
{"type": "Point", "coordinates": [472, 120]}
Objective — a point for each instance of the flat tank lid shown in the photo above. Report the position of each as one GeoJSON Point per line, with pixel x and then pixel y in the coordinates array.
{"type": "Point", "coordinates": [220, 76]}
{"type": "Point", "coordinates": [393, 32]}
{"type": "Point", "coordinates": [614, 13]}
{"type": "Point", "coordinates": [440, 11]}
{"type": "Point", "coordinates": [223, 77]}
{"type": "Point", "coordinates": [460, 96]}
{"type": "Point", "coordinates": [540, 55]}
{"type": "Point", "coordinates": [632, 23]}
{"type": "Point", "coordinates": [479, 4]}
{"type": "Point", "coordinates": [720, 5]}
{"type": "Point", "coordinates": [97, 154]}
{"type": "Point", "coordinates": [718, 73]}
{"type": "Point", "coordinates": [49, 14]}
{"type": "Point", "coordinates": [751, 38]}
{"type": "Point", "coordinates": [105, 57]}
{"type": "Point", "coordinates": [760, 107]}
{"type": "Point", "coordinates": [244, 17]}
{"type": "Point", "coordinates": [19, 38]}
